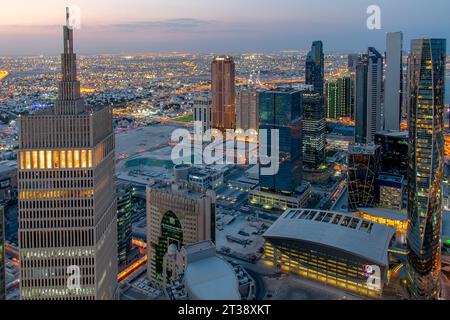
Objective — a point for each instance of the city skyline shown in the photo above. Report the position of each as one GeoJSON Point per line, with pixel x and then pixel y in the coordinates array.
{"type": "Point", "coordinates": [201, 27]}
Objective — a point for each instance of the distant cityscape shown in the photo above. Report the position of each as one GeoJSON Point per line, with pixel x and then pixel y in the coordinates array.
{"type": "Point", "coordinates": [95, 206]}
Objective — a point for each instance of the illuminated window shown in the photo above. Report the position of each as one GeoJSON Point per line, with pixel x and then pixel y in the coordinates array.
{"type": "Point", "coordinates": [34, 155]}
{"type": "Point", "coordinates": [76, 158]}
{"type": "Point", "coordinates": [27, 160]}
{"type": "Point", "coordinates": [48, 156]}
{"type": "Point", "coordinates": [83, 159]}
{"type": "Point", "coordinates": [22, 160]}
{"type": "Point", "coordinates": [69, 159]}
{"type": "Point", "coordinates": [56, 159]}
{"type": "Point", "coordinates": [90, 158]}
{"type": "Point", "coordinates": [41, 159]}
{"type": "Point", "coordinates": [63, 159]}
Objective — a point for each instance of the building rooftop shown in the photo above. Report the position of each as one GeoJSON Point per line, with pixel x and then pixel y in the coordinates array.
{"type": "Point", "coordinates": [337, 230]}
{"type": "Point", "coordinates": [385, 213]}
{"type": "Point", "coordinates": [391, 178]}
{"type": "Point", "coordinates": [390, 133]}
{"type": "Point", "coordinates": [211, 279]}
{"type": "Point", "coordinates": [357, 148]}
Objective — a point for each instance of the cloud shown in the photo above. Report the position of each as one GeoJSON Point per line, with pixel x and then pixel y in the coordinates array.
{"type": "Point", "coordinates": [171, 25]}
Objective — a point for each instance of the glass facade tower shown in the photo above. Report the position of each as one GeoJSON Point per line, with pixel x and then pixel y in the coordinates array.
{"type": "Point", "coordinates": [426, 165]}
{"type": "Point", "coordinates": [314, 131]}
{"type": "Point", "coordinates": [315, 67]}
{"type": "Point", "coordinates": [283, 110]}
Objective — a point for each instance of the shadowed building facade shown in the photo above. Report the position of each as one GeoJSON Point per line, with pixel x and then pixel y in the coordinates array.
{"type": "Point", "coordinates": [67, 196]}
{"type": "Point", "coordinates": [177, 215]}
{"type": "Point", "coordinates": [426, 165]}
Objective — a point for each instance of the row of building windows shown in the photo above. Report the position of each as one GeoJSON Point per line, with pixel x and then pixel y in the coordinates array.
{"type": "Point", "coordinates": [56, 159]}
{"type": "Point", "coordinates": [55, 194]}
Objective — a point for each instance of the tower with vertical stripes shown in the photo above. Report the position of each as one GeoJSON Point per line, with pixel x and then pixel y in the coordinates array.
{"type": "Point", "coordinates": [67, 196]}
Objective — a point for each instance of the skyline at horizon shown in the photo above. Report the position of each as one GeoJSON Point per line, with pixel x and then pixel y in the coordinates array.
{"type": "Point", "coordinates": [204, 27]}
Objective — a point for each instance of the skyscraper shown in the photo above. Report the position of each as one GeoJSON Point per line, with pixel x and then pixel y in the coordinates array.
{"type": "Point", "coordinates": [247, 115]}
{"type": "Point", "coordinates": [314, 130]}
{"type": "Point", "coordinates": [368, 96]}
{"type": "Point", "coordinates": [394, 81]}
{"type": "Point", "coordinates": [315, 67]}
{"type": "Point", "coordinates": [2, 255]}
{"type": "Point", "coordinates": [283, 110]}
{"type": "Point", "coordinates": [202, 111]}
{"type": "Point", "coordinates": [124, 229]}
{"type": "Point", "coordinates": [177, 214]}
{"type": "Point", "coordinates": [426, 165]}
{"type": "Point", "coordinates": [223, 93]}
{"type": "Point", "coordinates": [67, 196]}
{"type": "Point", "coordinates": [338, 96]}
{"type": "Point", "coordinates": [363, 168]}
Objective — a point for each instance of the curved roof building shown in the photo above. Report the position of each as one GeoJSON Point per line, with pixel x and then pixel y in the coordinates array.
{"type": "Point", "coordinates": [202, 284]}
{"type": "Point", "coordinates": [332, 247]}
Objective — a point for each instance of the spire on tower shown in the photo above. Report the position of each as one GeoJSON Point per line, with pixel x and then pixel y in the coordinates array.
{"type": "Point", "coordinates": [67, 16]}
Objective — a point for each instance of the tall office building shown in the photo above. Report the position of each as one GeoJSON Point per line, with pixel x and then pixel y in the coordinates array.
{"type": "Point", "coordinates": [2, 255]}
{"type": "Point", "coordinates": [426, 165]}
{"type": "Point", "coordinates": [67, 196]}
{"type": "Point", "coordinates": [124, 228]}
{"type": "Point", "coordinates": [314, 129]}
{"type": "Point", "coordinates": [177, 214]}
{"type": "Point", "coordinates": [338, 98]}
{"type": "Point", "coordinates": [352, 59]}
{"type": "Point", "coordinates": [368, 96]}
{"type": "Point", "coordinates": [394, 81]}
{"type": "Point", "coordinates": [282, 110]}
{"type": "Point", "coordinates": [363, 168]}
{"type": "Point", "coordinates": [247, 115]}
{"type": "Point", "coordinates": [315, 67]}
{"type": "Point", "coordinates": [223, 93]}
{"type": "Point", "coordinates": [202, 111]}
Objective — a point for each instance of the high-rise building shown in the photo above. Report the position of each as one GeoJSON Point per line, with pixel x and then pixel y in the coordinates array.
{"type": "Point", "coordinates": [394, 152]}
{"type": "Point", "coordinates": [124, 212]}
{"type": "Point", "coordinates": [394, 81]}
{"type": "Point", "coordinates": [363, 168]}
{"type": "Point", "coordinates": [368, 96]}
{"type": "Point", "coordinates": [202, 111]}
{"type": "Point", "coordinates": [338, 96]}
{"type": "Point", "coordinates": [282, 110]}
{"type": "Point", "coordinates": [315, 67]}
{"type": "Point", "coordinates": [67, 196]}
{"type": "Point", "coordinates": [177, 214]}
{"type": "Point", "coordinates": [247, 115]}
{"type": "Point", "coordinates": [389, 191]}
{"type": "Point", "coordinates": [2, 255]}
{"type": "Point", "coordinates": [223, 93]}
{"type": "Point", "coordinates": [426, 165]}
{"type": "Point", "coordinates": [314, 129]}
{"type": "Point", "coordinates": [352, 59]}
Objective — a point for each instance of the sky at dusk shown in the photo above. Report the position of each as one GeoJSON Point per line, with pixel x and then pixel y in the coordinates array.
{"type": "Point", "coordinates": [229, 26]}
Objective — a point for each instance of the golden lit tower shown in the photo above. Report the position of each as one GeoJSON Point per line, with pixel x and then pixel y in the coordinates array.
{"type": "Point", "coordinates": [223, 93]}
{"type": "Point", "coordinates": [67, 196]}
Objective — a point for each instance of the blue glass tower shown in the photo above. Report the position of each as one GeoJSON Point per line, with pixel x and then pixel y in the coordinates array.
{"type": "Point", "coordinates": [283, 110]}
